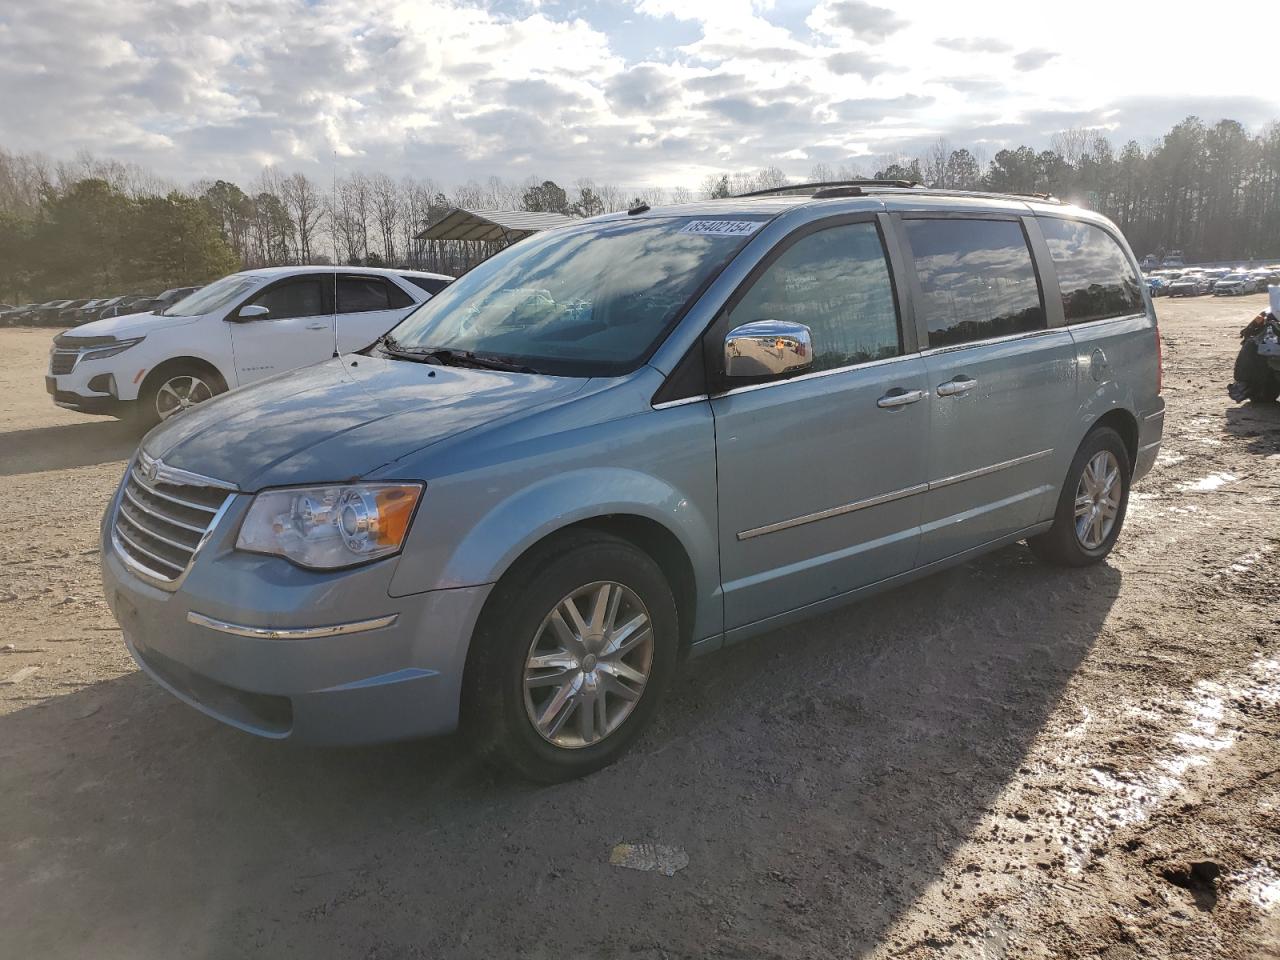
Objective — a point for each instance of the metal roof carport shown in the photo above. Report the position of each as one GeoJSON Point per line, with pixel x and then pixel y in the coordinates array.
{"type": "Point", "coordinates": [491, 226]}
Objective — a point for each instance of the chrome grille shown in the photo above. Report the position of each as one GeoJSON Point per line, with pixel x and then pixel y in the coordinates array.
{"type": "Point", "coordinates": [164, 516]}
{"type": "Point", "coordinates": [63, 361]}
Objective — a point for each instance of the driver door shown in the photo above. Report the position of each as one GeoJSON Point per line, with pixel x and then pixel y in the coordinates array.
{"type": "Point", "coordinates": [297, 331]}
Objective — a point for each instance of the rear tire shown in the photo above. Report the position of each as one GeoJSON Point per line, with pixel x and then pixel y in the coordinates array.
{"type": "Point", "coordinates": [556, 692]}
{"type": "Point", "coordinates": [1089, 516]}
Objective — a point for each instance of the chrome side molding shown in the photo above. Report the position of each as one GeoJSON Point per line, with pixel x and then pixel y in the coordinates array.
{"type": "Point", "coordinates": [834, 511]}
{"type": "Point", "coordinates": [891, 496]}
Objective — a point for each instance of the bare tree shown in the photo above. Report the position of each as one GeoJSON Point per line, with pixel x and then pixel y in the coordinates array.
{"type": "Point", "coordinates": [935, 164]}
{"type": "Point", "coordinates": [386, 213]}
{"type": "Point", "coordinates": [1071, 144]}
{"type": "Point", "coordinates": [821, 173]}
{"type": "Point", "coordinates": [306, 208]}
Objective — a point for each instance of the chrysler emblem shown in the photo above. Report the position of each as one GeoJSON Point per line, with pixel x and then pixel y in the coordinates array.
{"type": "Point", "coordinates": [153, 470]}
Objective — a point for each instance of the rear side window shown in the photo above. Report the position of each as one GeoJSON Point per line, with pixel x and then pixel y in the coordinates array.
{"type": "Point", "coordinates": [835, 282]}
{"type": "Point", "coordinates": [1096, 278]}
{"type": "Point", "coordinates": [977, 279]}
{"type": "Point", "coordinates": [432, 285]}
{"type": "Point", "coordinates": [362, 294]}
{"type": "Point", "coordinates": [293, 298]}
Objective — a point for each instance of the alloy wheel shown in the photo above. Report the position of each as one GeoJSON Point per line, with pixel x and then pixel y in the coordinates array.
{"type": "Point", "coordinates": [588, 665]}
{"type": "Point", "coordinates": [1098, 499]}
{"type": "Point", "coordinates": [179, 393]}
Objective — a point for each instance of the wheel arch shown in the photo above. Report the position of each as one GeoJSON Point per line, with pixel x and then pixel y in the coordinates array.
{"type": "Point", "coordinates": [167, 367]}
{"type": "Point", "coordinates": [1123, 422]}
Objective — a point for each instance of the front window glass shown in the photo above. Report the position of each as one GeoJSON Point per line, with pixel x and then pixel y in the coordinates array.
{"type": "Point", "coordinates": [216, 296]}
{"type": "Point", "coordinates": [977, 279]}
{"type": "Point", "coordinates": [588, 301]}
{"type": "Point", "coordinates": [1096, 278]}
{"type": "Point", "coordinates": [835, 282]}
{"type": "Point", "coordinates": [295, 298]}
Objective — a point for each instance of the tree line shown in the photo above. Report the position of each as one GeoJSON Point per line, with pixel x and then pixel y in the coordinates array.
{"type": "Point", "coordinates": [93, 226]}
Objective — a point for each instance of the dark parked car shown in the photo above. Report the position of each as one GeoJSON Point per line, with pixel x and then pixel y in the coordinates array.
{"type": "Point", "coordinates": [67, 314]}
{"type": "Point", "coordinates": [133, 303]}
{"type": "Point", "coordinates": [170, 297]}
{"type": "Point", "coordinates": [17, 316]}
{"type": "Point", "coordinates": [46, 314]}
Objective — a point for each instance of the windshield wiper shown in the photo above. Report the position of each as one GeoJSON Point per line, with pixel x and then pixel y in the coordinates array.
{"type": "Point", "coordinates": [446, 356]}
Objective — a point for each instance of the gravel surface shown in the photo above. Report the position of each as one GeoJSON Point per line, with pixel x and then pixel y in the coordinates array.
{"type": "Point", "coordinates": [1004, 760]}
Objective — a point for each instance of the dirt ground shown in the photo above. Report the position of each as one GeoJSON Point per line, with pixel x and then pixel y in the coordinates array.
{"type": "Point", "coordinates": [1005, 760]}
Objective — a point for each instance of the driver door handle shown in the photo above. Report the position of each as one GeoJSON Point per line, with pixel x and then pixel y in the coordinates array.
{"type": "Point", "coordinates": [317, 326]}
{"type": "Point", "coordinates": [897, 397]}
{"type": "Point", "coordinates": [956, 387]}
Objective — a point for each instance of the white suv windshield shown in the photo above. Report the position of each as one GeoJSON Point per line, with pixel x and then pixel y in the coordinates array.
{"type": "Point", "coordinates": [588, 301]}
{"type": "Point", "coordinates": [219, 294]}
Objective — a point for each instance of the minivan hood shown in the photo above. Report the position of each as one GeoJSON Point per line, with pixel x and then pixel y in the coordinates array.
{"type": "Point", "coordinates": [342, 419]}
{"type": "Point", "coordinates": [128, 325]}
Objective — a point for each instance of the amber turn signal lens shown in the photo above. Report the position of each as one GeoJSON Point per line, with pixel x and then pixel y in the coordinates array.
{"type": "Point", "coordinates": [395, 509]}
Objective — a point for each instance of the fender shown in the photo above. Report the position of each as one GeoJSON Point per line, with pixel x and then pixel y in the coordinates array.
{"type": "Point", "coordinates": [515, 524]}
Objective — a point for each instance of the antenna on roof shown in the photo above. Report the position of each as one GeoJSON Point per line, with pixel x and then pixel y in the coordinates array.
{"type": "Point", "coordinates": [333, 230]}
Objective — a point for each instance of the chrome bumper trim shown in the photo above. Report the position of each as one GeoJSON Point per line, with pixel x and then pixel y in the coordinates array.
{"type": "Point", "coordinates": [291, 633]}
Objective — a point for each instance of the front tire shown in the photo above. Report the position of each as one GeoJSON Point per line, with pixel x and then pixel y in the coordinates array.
{"type": "Point", "coordinates": [1092, 505]}
{"type": "Point", "coordinates": [169, 391]}
{"type": "Point", "coordinates": [571, 657]}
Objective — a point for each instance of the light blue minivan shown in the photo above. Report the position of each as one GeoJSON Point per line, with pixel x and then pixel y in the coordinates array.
{"type": "Point", "coordinates": [630, 440]}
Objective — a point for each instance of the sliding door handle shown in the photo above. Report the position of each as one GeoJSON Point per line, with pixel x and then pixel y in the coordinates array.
{"type": "Point", "coordinates": [318, 326]}
{"type": "Point", "coordinates": [954, 388]}
{"type": "Point", "coordinates": [897, 397]}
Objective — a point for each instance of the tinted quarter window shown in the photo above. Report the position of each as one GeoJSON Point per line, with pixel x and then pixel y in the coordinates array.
{"type": "Point", "coordinates": [977, 279]}
{"type": "Point", "coordinates": [835, 282]}
{"type": "Point", "coordinates": [396, 297]}
{"type": "Point", "coordinates": [432, 285]}
{"type": "Point", "coordinates": [1096, 278]}
{"type": "Point", "coordinates": [294, 298]}
{"type": "Point", "coordinates": [362, 294]}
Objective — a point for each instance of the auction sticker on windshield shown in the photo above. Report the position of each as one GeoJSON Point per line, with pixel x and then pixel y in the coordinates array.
{"type": "Point", "coordinates": [723, 228]}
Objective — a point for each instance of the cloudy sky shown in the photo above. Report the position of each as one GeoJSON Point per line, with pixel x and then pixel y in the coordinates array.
{"type": "Point", "coordinates": [636, 92]}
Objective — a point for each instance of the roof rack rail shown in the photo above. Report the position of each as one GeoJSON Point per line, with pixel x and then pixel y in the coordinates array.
{"type": "Point", "coordinates": [823, 185]}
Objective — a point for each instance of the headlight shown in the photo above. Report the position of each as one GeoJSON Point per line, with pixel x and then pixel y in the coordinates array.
{"type": "Point", "coordinates": [110, 350]}
{"type": "Point", "coordinates": [327, 528]}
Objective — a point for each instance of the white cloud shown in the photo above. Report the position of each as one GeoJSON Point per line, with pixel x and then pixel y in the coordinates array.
{"type": "Point", "coordinates": [452, 91]}
{"type": "Point", "coordinates": [862, 20]}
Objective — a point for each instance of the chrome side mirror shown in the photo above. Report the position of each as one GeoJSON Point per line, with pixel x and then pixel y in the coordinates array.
{"type": "Point", "coordinates": [254, 311]}
{"type": "Point", "coordinates": [767, 348]}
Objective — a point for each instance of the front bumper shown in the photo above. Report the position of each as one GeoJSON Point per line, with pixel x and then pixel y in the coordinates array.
{"type": "Point", "coordinates": [394, 682]}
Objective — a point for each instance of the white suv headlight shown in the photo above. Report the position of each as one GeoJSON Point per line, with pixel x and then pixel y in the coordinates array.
{"type": "Point", "coordinates": [109, 349]}
{"type": "Point", "coordinates": [330, 527]}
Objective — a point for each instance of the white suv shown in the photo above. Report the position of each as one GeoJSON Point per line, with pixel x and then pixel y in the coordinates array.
{"type": "Point", "coordinates": [242, 328]}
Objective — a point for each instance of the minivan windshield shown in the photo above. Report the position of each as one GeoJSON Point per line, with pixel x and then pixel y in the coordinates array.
{"type": "Point", "coordinates": [219, 294]}
{"type": "Point", "coordinates": [584, 301]}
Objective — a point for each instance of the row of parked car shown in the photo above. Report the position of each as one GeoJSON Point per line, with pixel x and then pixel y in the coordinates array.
{"type": "Point", "coordinates": [73, 313]}
{"type": "Point", "coordinates": [1220, 281]}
